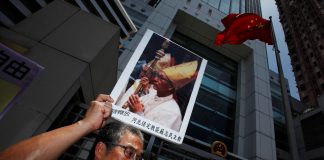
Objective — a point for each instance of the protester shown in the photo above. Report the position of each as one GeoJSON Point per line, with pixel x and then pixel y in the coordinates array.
{"type": "Point", "coordinates": [117, 140]}
{"type": "Point", "coordinates": [121, 142]}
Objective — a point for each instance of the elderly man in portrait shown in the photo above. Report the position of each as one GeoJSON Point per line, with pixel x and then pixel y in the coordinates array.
{"type": "Point", "coordinates": [145, 81]}
{"type": "Point", "coordinates": [159, 105]}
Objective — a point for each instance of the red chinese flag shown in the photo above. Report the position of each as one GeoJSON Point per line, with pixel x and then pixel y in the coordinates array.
{"type": "Point", "coordinates": [241, 27]}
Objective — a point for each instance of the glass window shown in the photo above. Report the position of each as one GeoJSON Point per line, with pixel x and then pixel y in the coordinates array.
{"type": "Point", "coordinates": [136, 17]}
{"type": "Point", "coordinates": [153, 3]}
{"type": "Point", "coordinates": [313, 128]}
{"type": "Point", "coordinates": [281, 136]}
{"type": "Point", "coordinates": [206, 135]}
{"type": "Point", "coordinates": [277, 102]}
{"type": "Point", "coordinates": [278, 116]}
{"type": "Point", "coordinates": [275, 89]}
{"type": "Point", "coordinates": [214, 102]}
{"type": "Point", "coordinates": [216, 97]}
{"type": "Point", "coordinates": [235, 6]}
{"type": "Point", "coordinates": [242, 6]}
{"type": "Point", "coordinates": [222, 74]}
{"type": "Point", "coordinates": [214, 85]}
{"type": "Point", "coordinates": [214, 3]}
{"type": "Point", "coordinates": [200, 115]}
{"type": "Point", "coordinates": [208, 99]}
{"type": "Point", "coordinates": [225, 6]}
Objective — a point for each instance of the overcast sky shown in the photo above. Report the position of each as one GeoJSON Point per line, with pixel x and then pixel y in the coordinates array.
{"type": "Point", "coordinates": [269, 8]}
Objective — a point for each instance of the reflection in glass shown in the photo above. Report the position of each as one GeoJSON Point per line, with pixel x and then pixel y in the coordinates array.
{"type": "Point", "coordinates": [235, 6]}
{"type": "Point", "coordinates": [214, 3]}
{"type": "Point", "coordinates": [215, 100]}
{"type": "Point", "coordinates": [213, 116]}
{"type": "Point", "coordinates": [225, 6]}
{"type": "Point", "coordinates": [242, 6]}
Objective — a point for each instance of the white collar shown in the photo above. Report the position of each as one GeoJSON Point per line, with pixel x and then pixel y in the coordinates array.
{"type": "Point", "coordinates": [157, 98]}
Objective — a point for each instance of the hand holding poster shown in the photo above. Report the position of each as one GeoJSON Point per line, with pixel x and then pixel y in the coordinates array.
{"type": "Point", "coordinates": [157, 90]}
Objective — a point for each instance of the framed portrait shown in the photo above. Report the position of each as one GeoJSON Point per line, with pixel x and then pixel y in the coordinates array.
{"type": "Point", "coordinates": [157, 90]}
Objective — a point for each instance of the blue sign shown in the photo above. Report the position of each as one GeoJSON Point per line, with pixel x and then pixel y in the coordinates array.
{"type": "Point", "coordinates": [16, 74]}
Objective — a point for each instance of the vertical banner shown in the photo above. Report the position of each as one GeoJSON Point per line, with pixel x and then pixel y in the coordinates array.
{"type": "Point", "coordinates": [157, 90]}
{"type": "Point", "coordinates": [16, 73]}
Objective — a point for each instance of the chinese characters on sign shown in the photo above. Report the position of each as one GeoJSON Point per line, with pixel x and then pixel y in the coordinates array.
{"type": "Point", "coordinates": [14, 68]}
{"type": "Point", "coordinates": [161, 131]}
{"type": "Point", "coordinates": [16, 73]}
{"type": "Point", "coordinates": [158, 88]}
{"type": "Point", "coordinates": [141, 122]}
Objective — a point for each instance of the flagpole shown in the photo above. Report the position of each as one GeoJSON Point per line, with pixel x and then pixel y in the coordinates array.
{"type": "Point", "coordinates": [287, 110]}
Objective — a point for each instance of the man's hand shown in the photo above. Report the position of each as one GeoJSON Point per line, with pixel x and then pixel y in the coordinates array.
{"type": "Point", "coordinates": [160, 53]}
{"type": "Point", "coordinates": [50, 145]}
{"type": "Point", "coordinates": [135, 104]}
{"type": "Point", "coordinates": [98, 112]}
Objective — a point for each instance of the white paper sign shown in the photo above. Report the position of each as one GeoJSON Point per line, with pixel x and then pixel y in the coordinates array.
{"type": "Point", "coordinates": [165, 78]}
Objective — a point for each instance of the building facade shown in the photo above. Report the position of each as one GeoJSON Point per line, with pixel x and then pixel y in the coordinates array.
{"type": "Point", "coordinates": [279, 119]}
{"type": "Point", "coordinates": [308, 125]}
{"type": "Point", "coordinates": [302, 24]}
{"type": "Point", "coordinates": [241, 106]}
{"type": "Point", "coordinates": [235, 93]}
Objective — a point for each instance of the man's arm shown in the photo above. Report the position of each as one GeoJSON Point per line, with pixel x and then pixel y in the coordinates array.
{"type": "Point", "coordinates": [52, 144]}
